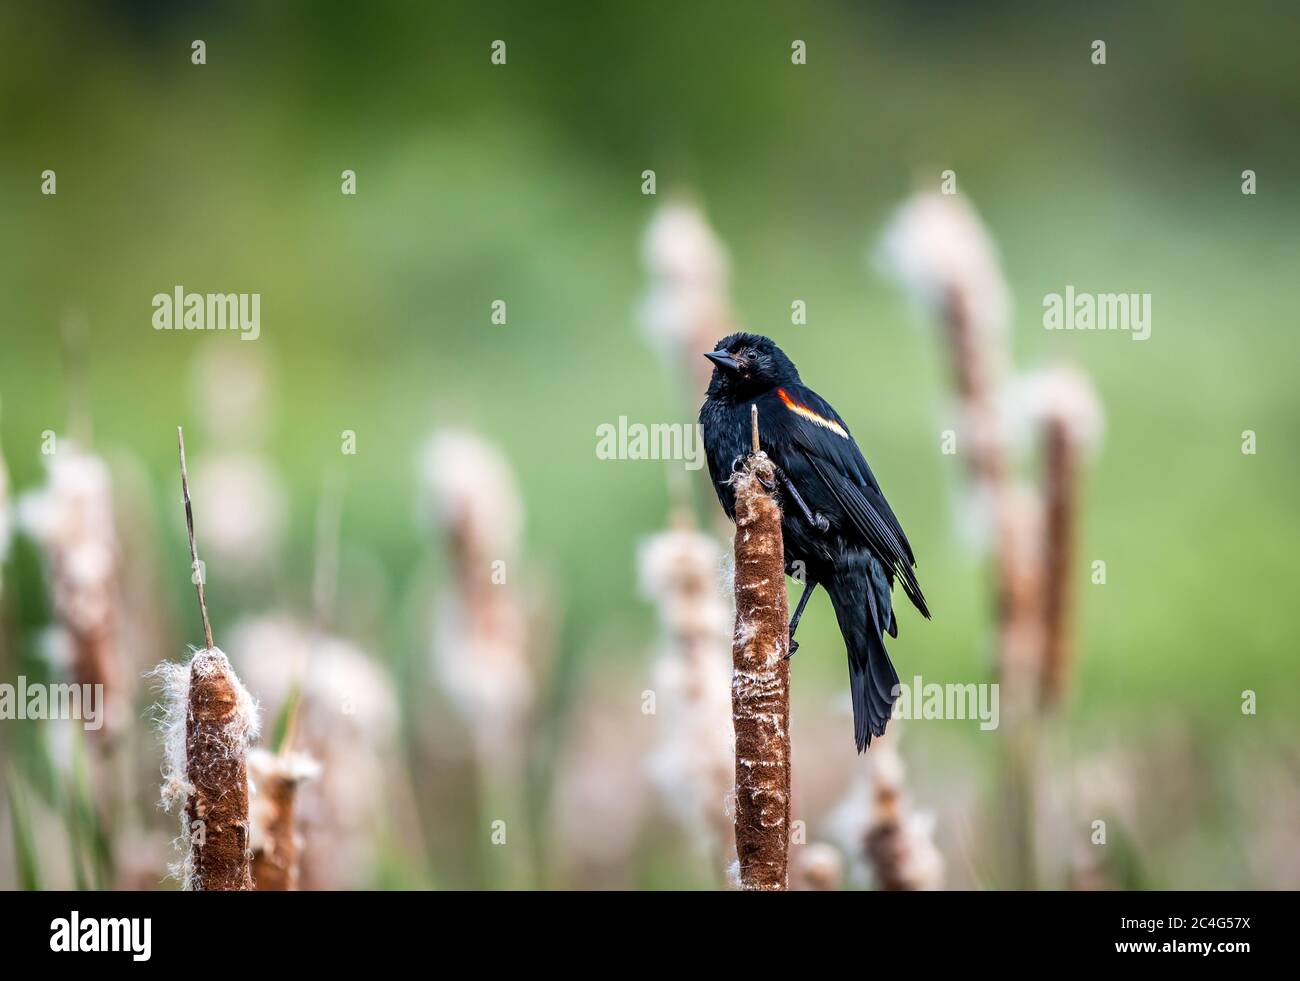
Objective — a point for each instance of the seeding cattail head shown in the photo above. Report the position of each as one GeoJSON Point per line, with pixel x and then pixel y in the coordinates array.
{"type": "Point", "coordinates": [1060, 395]}
{"type": "Point", "coordinates": [347, 718]}
{"type": "Point", "coordinates": [480, 632]}
{"type": "Point", "coordinates": [678, 572]}
{"type": "Point", "coordinates": [938, 249]}
{"type": "Point", "coordinates": [691, 765]}
{"type": "Point", "coordinates": [232, 393]}
{"type": "Point", "coordinates": [601, 797]}
{"type": "Point", "coordinates": [208, 719]}
{"type": "Point", "coordinates": [819, 867]}
{"type": "Point", "coordinates": [876, 822]}
{"type": "Point", "coordinates": [686, 308]}
{"type": "Point", "coordinates": [276, 840]}
{"type": "Point", "coordinates": [244, 507]}
{"type": "Point", "coordinates": [345, 695]}
{"type": "Point", "coordinates": [71, 519]}
{"type": "Point", "coordinates": [1057, 409]}
{"type": "Point", "coordinates": [471, 495]}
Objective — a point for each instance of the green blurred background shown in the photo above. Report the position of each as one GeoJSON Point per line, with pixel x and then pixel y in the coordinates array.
{"type": "Point", "coordinates": [523, 183]}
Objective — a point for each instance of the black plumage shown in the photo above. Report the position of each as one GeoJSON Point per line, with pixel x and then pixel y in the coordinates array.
{"type": "Point", "coordinates": [839, 530]}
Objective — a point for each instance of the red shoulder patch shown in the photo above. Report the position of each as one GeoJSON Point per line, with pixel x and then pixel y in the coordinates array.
{"type": "Point", "coordinates": [798, 408]}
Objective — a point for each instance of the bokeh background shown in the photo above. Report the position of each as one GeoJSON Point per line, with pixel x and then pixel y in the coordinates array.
{"type": "Point", "coordinates": [523, 182]}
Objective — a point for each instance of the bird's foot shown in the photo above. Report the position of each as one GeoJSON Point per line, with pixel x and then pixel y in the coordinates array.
{"type": "Point", "coordinates": [794, 647]}
{"type": "Point", "coordinates": [738, 464]}
{"type": "Point", "coordinates": [822, 522]}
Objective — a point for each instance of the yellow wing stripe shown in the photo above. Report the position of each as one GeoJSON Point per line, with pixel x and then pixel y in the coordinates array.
{"type": "Point", "coordinates": [810, 415]}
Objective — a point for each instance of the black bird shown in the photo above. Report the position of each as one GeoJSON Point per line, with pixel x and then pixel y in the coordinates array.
{"type": "Point", "coordinates": [838, 528]}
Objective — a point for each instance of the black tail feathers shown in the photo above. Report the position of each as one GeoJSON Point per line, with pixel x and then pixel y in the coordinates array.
{"type": "Point", "coordinates": [874, 684]}
{"type": "Point", "coordinates": [859, 592]}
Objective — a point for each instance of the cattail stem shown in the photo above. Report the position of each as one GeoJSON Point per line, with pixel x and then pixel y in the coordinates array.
{"type": "Point", "coordinates": [977, 370]}
{"type": "Point", "coordinates": [1058, 559]}
{"type": "Point", "coordinates": [196, 573]}
{"type": "Point", "coordinates": [760, 687]}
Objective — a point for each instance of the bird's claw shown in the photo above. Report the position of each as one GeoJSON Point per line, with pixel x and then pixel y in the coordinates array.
{"type": "Point", "coordinates": [823, 524]}
{"type": "Point", "coordinates": [738, 464]}
{"type": "Point", "coordinates": [794, 647]}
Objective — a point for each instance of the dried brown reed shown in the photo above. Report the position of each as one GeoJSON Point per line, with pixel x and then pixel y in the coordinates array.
{"type": "Point", "coordinates": [71, 519]}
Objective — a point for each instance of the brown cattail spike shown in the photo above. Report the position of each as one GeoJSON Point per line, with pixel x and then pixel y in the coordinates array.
{"type": "Point", "coordinates": [216, 808]}
{"type": "Point", "coordinates": [275, 838]}
{"type": "Point", "coordinates": [760, 688]}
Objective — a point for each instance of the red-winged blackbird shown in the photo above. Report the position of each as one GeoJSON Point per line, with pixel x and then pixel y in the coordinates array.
{"type": "Point", "coordinates": [838, 528]}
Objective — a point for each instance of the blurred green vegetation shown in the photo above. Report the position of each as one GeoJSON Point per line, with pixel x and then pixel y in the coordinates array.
{"type": "Point", "coordinates": [522, 183]}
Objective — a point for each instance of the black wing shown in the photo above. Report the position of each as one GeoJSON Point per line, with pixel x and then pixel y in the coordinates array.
{"type": "Point", "coordinates": [836, 459]}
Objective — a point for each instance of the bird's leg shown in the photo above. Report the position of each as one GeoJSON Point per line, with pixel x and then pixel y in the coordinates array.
{"type": "Point", "coordinates": [808, 588]}
{"type": "Point", "coordinates": [816, 520]}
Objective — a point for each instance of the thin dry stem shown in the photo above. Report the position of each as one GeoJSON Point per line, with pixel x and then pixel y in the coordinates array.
{"type": "Point", "coordinates": [196, 573]}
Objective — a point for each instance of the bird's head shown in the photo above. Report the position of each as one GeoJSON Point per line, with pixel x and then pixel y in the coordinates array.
{"type": "Point", "coordinates": [745, 365]}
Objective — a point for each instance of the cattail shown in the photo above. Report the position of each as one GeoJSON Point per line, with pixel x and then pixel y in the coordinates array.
{"type": "Point", "coordinates": [276, 841]}
{"type": "Point", "coordinates": [939, 250]}
{"type": "Point", "coordinates": [71, 519]}
{"type": "Point", "coordinates": [243, 511]}
{"type": "Point", "coordinates": [898, 841]}
{"type": "Point", "coordinates": [819, 867]}
{"type": "Point", "coordinates": [244, 500]}
{"type": "Point", "coordinates": [480, 644]}
{"type": "Point", "coordinates": [347, 719]}
{"type": "Point", "coordinates": [1066, 408]}
{"type": "Point", "coordinates": [601, 798]}
{"type": "Point", "coordinates": [481, 629]}
{"type": "Point", "coordinates": [877, 822]}
{"type": "Point", "coordinates": [209, 721]}
{"type": "Point", "coordinates": [232, 396]}
{"type": "Point", "coordinates": [687, 308]}
{"type": "Point", "coordinates": [760, 681]}
{"type": "Point", "coordinates": [692, 765]}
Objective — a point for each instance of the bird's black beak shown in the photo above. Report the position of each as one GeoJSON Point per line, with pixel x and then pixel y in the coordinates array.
{"type": "Point", "coordinates": [723, 360]}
